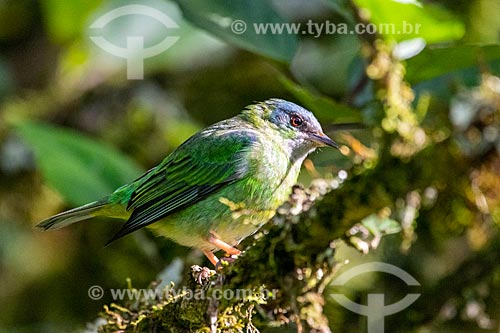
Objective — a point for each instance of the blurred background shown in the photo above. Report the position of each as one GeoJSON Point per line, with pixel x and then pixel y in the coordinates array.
{"type": "Point", "coordinates": [421, 145]}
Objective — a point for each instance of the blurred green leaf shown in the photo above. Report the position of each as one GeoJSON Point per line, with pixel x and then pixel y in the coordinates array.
{"type": "Point", "coordinates": [342, 8]}
{"type": "Point", "coordinates": [381, 225]}
{"type": "Point", "coordinates": [434, 62]}
{"type": "Point", "coordinates": [483, 25]}
{"type": "Point", "coordinates": [329, 66]}
{"type": "Point", "coordinates": [221, 17]}
{"type": "Point", "coordinates": [81, 169]}
{"type": "Point", "coordinates": [326, 109]}
{"type": "Point", "coordinates": [85, 53]}
{"type": "Point", "coordinates": [403, 21]}
{"type": "Point", "coordinates": [65, 20]}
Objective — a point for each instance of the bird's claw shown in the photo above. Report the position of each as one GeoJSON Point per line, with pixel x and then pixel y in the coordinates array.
{"type": "Point", "coordinates": [225, 261]}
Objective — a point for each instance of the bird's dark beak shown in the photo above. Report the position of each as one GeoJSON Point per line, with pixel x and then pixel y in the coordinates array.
{"type": "Point", "coordinates": [322, 139]}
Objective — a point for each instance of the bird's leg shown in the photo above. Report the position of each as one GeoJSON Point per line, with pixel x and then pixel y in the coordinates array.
{"type": "Point", "coordinates": [213, 259]}
{"type": "Point", "coordinates": [223, 245]}
{"type": "Point", "coordinates": [220, 244]}
{"type": "Point", "coordinates": [216, 261]}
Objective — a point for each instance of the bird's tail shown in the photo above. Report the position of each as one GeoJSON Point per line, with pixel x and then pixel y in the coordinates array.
{"type": "Point", "coordinates": [74, 215]}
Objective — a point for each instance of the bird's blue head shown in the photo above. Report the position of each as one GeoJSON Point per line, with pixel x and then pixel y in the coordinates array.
{"type": "Point", "coordinates": [297, 126]}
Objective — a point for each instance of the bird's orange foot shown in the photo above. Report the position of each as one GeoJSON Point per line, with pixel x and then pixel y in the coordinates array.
{"type": "Point", "coordinates": [225, 261]}
{"type": "Point", "coordinates": [220, 244]}
{"type": "Point", "coordinates": [231, 251]}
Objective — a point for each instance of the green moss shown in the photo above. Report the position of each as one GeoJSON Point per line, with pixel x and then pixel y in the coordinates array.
{"type": "Point", "coordinates": [278, 280]}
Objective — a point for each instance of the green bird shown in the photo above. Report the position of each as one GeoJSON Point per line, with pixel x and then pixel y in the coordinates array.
{"type": "Point", "coordinates": [218, 187]}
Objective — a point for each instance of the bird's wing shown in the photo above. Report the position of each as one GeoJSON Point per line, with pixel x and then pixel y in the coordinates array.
{"type": "Point", "coordinates": [200, 167]}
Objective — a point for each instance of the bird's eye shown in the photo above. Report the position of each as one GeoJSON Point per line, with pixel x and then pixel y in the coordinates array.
{"type": "Point", "coordinates": [296, 121]}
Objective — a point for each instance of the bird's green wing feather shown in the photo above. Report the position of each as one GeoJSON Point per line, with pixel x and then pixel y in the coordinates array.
{"type": "Point", "coordinates": [201, 166]}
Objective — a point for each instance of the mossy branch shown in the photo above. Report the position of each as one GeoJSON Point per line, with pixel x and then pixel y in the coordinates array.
{"type": "Point", "coordinates": [277, 282]}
